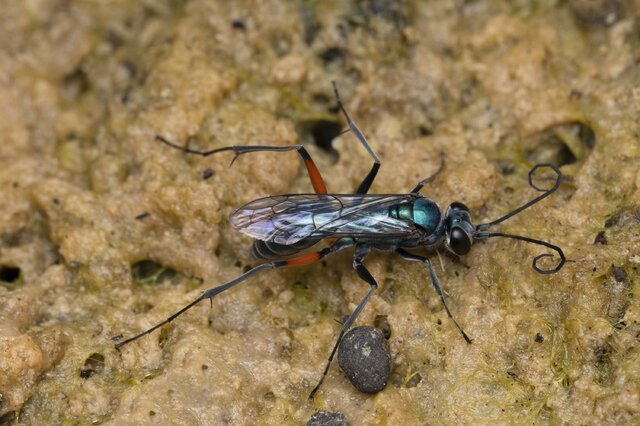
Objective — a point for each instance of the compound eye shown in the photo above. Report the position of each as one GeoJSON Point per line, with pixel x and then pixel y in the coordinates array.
{"type": "Point", "coordinates": [459, 241]}
{"type": "Point", "coordinates": [459, 206]}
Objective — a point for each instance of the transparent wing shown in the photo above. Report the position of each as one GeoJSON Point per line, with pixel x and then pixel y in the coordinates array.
{"type": "Point", "coordinates": [287, 219]}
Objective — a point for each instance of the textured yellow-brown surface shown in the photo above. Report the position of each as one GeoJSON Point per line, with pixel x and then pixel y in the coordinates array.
{"type": "Point", "coordinates": [495, 85]}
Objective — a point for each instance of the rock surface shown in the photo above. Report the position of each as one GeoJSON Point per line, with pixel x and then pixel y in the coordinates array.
{"type": "Point", "coordinates": [87, 197]}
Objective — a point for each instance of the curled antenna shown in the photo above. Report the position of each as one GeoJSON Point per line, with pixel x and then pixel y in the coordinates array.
{"type": "Point", "coordinates": [535, 266]}
{"type": "Point", "coordinates": [480, 229]}
{"type": "Point", "coordinates": [547, 192]}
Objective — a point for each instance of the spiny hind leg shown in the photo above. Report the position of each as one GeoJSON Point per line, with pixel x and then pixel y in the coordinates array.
{"type": "Point", "coordinates": [304, 259]}
{"type": "Point", "coordinates": [361, 252]}
{"type": "Point", "coordinates": [314, 174]}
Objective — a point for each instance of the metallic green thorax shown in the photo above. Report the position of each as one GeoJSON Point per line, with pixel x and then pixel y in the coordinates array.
{"type": "Point", "coordinates": [422, 212]}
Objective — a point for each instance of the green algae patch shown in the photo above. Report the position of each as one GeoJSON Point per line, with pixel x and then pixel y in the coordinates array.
{"type": "Point", "coordinates": [104, 231]}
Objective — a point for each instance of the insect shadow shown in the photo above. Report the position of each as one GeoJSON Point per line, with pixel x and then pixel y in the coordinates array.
{"type": "Point", "coordinates": [284, 227]}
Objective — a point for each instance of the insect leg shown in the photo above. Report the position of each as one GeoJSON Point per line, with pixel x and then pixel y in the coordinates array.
{"type": "Point", "coordinates": [212, 292]}
{"type": "Point", "coordinates": [362, 250]}
{"type": "Point", "coordinates": [368, 180]}
{"type": "Point", "coordinates": [436, 284]}
{"type": "Point", "coordinates": [431, 178]}
{"type": "Point", "coordinates": [207, 294]}
{"type": "Point", "coordinates": [314, 174]}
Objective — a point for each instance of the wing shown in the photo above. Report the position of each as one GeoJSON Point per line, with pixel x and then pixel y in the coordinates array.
{"type": "Point", "coordinates": [287, 219]}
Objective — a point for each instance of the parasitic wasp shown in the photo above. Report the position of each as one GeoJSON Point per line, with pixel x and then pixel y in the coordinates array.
{"type": "Point", "coordinates": [284, 227]}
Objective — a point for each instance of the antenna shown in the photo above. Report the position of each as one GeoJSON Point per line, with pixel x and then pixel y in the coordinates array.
{"type": "Point", "coordinates": [481, 234]}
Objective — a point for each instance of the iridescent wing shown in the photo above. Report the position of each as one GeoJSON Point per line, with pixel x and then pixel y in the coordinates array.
{"type": "Point", "coordinates": [287, 219]}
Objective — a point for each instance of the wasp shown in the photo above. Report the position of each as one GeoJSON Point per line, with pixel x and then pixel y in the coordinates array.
{"type": "Point", "coordinates": [285, 228]}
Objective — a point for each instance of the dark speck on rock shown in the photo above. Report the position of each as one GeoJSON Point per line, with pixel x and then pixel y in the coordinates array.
{"type": "Point", "coordinates": [238, 24]}
{"type": "Point", "coordinates": [612, 221]}
{"type": "Point", "coordinates": [324, 418]}
{"type": "Point", "coordinates": [143, 216]}
{"type": "Point", "coordinates": [331, 54]}
{"type": "Point", "coordinates": [365, 358]}
{"type": "Point", "coordinates": [601, 239]}
{"type": "Point", "coordinates": [85, 374]}
{"type": "Point", "coordinates": [208, 172]}
{"type": "Point", "coordinates": [594, 13]}
{"type": "Point", "coordinates": [94, 364]}
{"type": "Point", "coordinates": [539, 338]}
{"type": "Point", "coordinates": [414, 380]}
{"type": "Point", "coordinates": [619, 274]}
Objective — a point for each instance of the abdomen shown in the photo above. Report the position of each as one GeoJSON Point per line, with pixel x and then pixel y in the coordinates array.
{"type": "Point", "coordinates": [267, 250]}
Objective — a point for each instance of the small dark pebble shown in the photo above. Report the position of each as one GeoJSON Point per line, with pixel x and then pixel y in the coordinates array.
{"type": "Point", "coordinates": [539, 338]}
{"type": "Point", "coordinates": [601, 239]}
{"type": "Point", "coordinates": [365, 358]}
{"type": "Point", "coordinates": [382, 323]}
{"type": "Point", "coordinates": [324, 418]}
{"type": "Point", "coordinates": [619, 273]}
{"type": "Point", "coordinates": [208, 172]}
